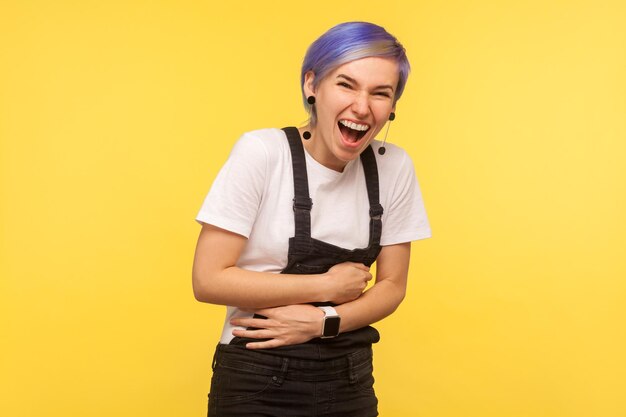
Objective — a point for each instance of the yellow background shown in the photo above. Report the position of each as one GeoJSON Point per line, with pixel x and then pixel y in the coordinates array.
{"type": "Point", "coordinates": [115, 117]}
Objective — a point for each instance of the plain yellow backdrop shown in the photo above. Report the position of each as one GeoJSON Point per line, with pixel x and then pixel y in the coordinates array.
{"type": "Point", "coordinates": [115, 117]}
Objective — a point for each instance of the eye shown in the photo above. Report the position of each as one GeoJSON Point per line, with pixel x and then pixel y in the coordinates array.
{"type": "Point", "coordinates": [382, 94]}
{"type": "Point", "coordinates": [344, 84]}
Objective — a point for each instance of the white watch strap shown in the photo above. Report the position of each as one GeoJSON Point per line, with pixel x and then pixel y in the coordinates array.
{"type": "Point", "coordinates": [329, 311]}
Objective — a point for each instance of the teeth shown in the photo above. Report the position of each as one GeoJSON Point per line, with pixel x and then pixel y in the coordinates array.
{"type": "Point", "coordinates": [354, 126]}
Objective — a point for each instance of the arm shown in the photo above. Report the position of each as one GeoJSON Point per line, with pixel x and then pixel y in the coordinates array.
{"type": "Point", "coordinates": [392, 266]}
{"type": "Point", "coordinates": [217, 280]}
{"type": "Point", "coordinates": [295, 324]}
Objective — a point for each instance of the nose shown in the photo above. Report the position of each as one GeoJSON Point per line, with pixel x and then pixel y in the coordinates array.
{"type": "Point", "coordinates": [360, 106]}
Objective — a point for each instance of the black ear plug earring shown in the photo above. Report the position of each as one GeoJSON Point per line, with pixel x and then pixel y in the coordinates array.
{"type": "Point", "coordinates": [311, 100]}
{"type": "Point", "coordinates": [381, 150]}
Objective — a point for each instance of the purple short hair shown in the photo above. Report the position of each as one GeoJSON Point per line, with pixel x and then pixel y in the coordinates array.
{"type": "Point", "coordinates": [348, 42]}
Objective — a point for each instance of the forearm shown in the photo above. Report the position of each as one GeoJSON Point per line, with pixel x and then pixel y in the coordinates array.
{"type": "Point", "coordinates": [385, 296]}
{"type": "Point", "coordinates": [374, 305]}
{"type": "Point", "coordinates": [246, 289]}
{"type": "Point", "coordinates": [294, 324]}
{"type": "Point", "coordinates": [217, 280]}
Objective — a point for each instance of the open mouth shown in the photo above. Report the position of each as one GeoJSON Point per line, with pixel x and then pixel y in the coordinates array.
{"type": "Point", "coordinates": [352, 132]}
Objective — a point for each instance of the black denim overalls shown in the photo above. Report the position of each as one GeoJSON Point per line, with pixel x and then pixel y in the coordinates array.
{"type": "Point", "coordinates": [311, 256]}
{"type": "Point", "coordinates": [323, 377]}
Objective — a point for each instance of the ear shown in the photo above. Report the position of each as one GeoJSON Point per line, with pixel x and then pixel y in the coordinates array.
{"type": "Point", "coordinates": [308, 84]}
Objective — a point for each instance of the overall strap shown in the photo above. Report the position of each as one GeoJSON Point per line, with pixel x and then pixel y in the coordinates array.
{"type": "Point", "coordinates": [368, 159]}
{"type": "Point", "coordinates": [302, 202]}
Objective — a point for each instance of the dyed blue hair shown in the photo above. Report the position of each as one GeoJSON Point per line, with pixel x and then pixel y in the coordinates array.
{"type": "Point", "coordinates": [348, 42]}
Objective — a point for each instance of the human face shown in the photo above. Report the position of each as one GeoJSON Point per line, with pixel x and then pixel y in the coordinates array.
{"type": "Point", "coordinates": [353, 103]}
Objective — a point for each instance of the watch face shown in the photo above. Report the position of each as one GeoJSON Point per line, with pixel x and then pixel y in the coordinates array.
{"type": "Point", "coordinates": [331, 326]}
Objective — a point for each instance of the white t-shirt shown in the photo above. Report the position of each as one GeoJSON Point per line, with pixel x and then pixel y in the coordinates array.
{"type": "Point", "coordinates": [252, 195]}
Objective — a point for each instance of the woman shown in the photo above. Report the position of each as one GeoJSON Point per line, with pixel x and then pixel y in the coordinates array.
{"type": "Point", "coordinates": [290, 228]}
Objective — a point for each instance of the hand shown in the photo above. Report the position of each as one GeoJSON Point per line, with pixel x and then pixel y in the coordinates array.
{"type": "Point", "coordinates": [347, 280]}
{"type": "Point", "coordinates": [287, 325]}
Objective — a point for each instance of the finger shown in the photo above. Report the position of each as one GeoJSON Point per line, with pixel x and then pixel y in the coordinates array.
{"type": "Point", "coordinates": [268, 344]}
{"type": "Point", "coordinates": [251, 322]}
{"type": "Point", "coordinates": [253, 334]}
{"type": "Point", "coordinates": [360, 266]}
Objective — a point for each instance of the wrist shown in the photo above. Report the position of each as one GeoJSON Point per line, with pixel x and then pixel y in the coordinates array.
{"type": "Point", "coordinates": [324, 288]}
{"type": "Point", "coordinates": [330, 322]}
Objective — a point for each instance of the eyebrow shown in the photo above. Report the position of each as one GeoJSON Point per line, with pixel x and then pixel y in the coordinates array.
{"type": "Point", "coordinates": [352, 80]}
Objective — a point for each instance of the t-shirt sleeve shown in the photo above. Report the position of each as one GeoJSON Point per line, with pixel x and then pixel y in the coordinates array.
{"type": "Point", "coordinates": [235, 195]}
{"type": "Point", "coordinates": [405, 219]}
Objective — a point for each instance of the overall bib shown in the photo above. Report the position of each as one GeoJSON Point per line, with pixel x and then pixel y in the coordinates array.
{"type": "Point", "coordinates": [323, 377]}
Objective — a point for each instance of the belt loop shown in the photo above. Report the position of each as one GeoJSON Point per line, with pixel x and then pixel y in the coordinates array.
{"type": "Point", "coordinates": [351, 373]}
{"type": "Point", "coordinates": [278, 380]}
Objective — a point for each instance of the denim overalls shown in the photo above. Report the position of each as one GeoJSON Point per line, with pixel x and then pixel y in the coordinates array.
{"type": "Point", "coordinates": [323, 377]}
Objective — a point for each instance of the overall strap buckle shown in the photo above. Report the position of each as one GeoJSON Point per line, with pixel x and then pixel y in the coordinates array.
{"type": "Point", "coordinates": [303, 203]}
{"type": "Point", "coordinates": [376, 212]}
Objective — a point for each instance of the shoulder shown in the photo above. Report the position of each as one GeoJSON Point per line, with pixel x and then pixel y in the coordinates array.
{"type": "Point", "coordinates": [396, 172]}
{"type": "Point", "coordinates": [404, 219]}
{"type": "Point", "coordinates": [260, 144]}
{"type": "Point", "coordinates": [266, 134]}
{"type": "Point", "coordinates": [262, 138]}
{"type": "Point", "coordinates": [394, 162]}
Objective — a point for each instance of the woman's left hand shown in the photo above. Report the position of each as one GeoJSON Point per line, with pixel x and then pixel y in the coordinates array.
{"type": "Point", "coordinates": [287, 325]}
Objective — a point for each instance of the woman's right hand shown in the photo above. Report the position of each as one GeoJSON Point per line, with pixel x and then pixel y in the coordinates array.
{"type": "Point", "coordinates": [347, 281]}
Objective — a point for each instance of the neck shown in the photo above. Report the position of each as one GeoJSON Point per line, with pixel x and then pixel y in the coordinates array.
{"type": "Point", "coordinates": [317, 148]}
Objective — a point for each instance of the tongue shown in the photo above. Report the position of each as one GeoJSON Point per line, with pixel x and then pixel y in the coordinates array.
{"type": "Point", "coordinates": [350, 135]}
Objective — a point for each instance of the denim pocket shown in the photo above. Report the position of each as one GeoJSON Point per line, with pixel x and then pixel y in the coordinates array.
{"type": "Point", "coordinates": [312, 269]}
{"type": "Point", "coordinates": [230, 384]}
{"type": "Point", "coordinates": [363, 377]}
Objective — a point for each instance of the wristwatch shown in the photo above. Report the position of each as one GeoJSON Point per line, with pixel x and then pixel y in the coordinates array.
{"type": "Point", "coordinates": [330, 326]}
